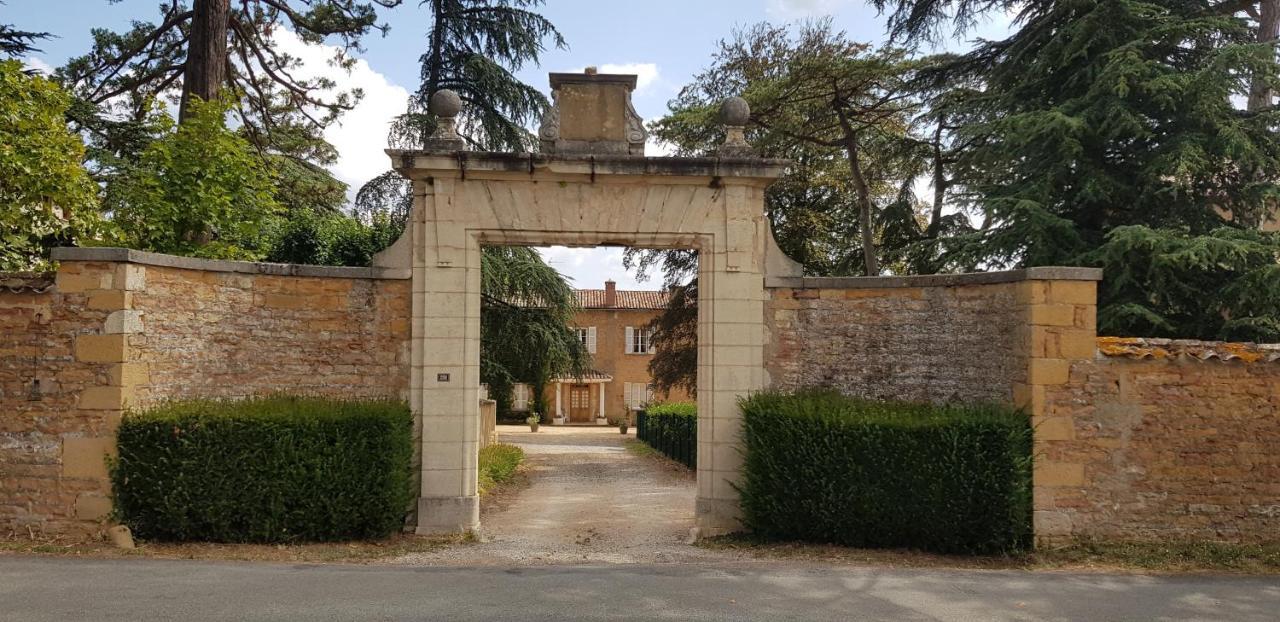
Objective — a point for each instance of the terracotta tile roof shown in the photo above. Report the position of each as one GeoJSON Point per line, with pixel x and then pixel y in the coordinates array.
{"type": "Point", "coordinates": [18, 282]}
{"type": "Point", "coordinates": [1139, 348]}
{"type": "Point", "coordinates": [626, 299]}
{"type": "Point", "coordinates": [590, 375]}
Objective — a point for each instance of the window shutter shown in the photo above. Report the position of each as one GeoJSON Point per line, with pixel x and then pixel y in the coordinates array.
{"type": "Point", "coordinates": [631, 341]}
{"type": "Point", "coordinates": [591, 340]}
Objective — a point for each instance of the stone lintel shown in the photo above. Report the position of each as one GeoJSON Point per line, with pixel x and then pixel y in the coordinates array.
{"type": "Point", "coordinates": [126, 255]}
{"type": "Point", "coordinates": [423, 163]}
{"type": "Point", "coordinates": [1046, 273]}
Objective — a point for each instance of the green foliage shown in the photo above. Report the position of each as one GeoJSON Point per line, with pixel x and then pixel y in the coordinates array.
{"type": "Point", "coordinates": [1220, 286]}
{"type": "Point", "coordinates": [199, 190]}
{"type": "Point", "coordinates": [278, 469]}
{"type": "Point", "coordinates": [672, 429]}
{"type": "Point", "coordinates": [498, 463]}
{"type": "Point", "coordinates": [473, 48]}
{"type": "Point", "coordinates": [826, 468]}
{"type": "Point", "coordinates": [46, 197]}
{"type": "Point", "coordinates": [305, 236]}
{"type": "Point", "coordinates": [526, 319]}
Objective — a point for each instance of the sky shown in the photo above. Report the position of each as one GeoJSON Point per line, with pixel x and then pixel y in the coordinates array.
{"type": "Point", "coordinates": [663, 42]}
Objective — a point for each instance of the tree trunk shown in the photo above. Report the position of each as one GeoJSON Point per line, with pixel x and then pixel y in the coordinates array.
{"type": "Point", "coordinates": [1268, 31]}
{"type": "Point", "coordinates": [206, 66]}
{"type": "Point", "coordinates": [437, 43]}
{"type": "Point", "coordinates": [863, 192]}
{"type": "Point", "coordinates": [939, 185]}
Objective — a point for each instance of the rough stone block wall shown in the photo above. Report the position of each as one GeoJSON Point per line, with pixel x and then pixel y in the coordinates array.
{"type": "Point", "coordinates": [109, 335]}
{"type": "Point", "coordinates": [225, 334]}
{"type": "Point", "coordinates": [917, 343]}
{"type": "Point", "coordinates": [1164, 440]}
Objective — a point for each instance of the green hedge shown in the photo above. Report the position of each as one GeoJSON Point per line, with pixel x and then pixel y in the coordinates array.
{"type": "Point", "coordinates": [827, 468]}
{"type": "Point", "coordinates": [276, 469]}
{"type": "Point", "coordinates": [672, 429]}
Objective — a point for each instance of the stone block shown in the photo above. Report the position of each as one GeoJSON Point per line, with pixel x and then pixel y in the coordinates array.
{"type": "Point", "coordinates": [1053, 428]}
{"type": "Point", "coordinates": [102, 348]}
{"type": "Point", "coordinates": [110, 299]}
{"type": "Point", "coordinates": [284, 301]}
{"type": "Point", "coordinates": [131, 277]}
{"type": "Point", "coordinates": [86, 457]}
{"type": "Point", "coordinates": [1052, 315]}
{"type": "Point", "coordinates": [121, 322]}
{"type": "Point", "coordinates": [104, 398]}
{"type": "Point", "coordinates": [91, 506]}
{"type": "Point", "coordinates": [129, 374]}
{"type": "Point", "coordinates": [83, 281]}
{"type": "Point", "coordinates": [1076, 344]}
{"type": "Point", "coordinates": [1057, 474]}
{"type": "Point", "coordinates": [1048, 371]}
{"type": "Point", "coordinates": [1032, 292]}
{"type": "Point", "coordinates": [1073, 292]}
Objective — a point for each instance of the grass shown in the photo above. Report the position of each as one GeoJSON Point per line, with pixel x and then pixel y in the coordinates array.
{"type": "Point", "coordinates": [355, 552]}
{"type": "Point", "coordinates": [1081, 555]}
{"type": "Point", "coordinates": [498, 464]}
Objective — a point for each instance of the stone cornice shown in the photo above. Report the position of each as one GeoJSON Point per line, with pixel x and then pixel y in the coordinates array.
{"type": "Point", "coordinates": [420, 163]}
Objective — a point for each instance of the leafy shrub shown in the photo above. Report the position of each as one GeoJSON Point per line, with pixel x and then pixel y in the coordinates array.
{"type": "Point", "coordinates": [672, 429]}
{"type": "Point", "coordinates": [827, 468]}
{"type": "Point", "coordinates": [275, 469]}
{"type": "Point", "coordinates": [498, 462]}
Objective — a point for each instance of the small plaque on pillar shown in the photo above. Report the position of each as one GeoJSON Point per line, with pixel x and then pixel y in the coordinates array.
{"type": "Point", "coordinates": [442, 377]}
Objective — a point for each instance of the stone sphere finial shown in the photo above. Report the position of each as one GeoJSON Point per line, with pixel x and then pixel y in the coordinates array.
{"type": "Point", "coordinates": [735, 112]}
{"type": "Point", "coordinates": [445, 103]}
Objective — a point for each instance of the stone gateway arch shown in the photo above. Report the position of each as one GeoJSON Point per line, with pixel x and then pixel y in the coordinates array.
{"type": "Point", "coordinates": [591, 185]}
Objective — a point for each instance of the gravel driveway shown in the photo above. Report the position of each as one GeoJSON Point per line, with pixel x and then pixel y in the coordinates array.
{"type": "Point", "coordinates": [589, 500]}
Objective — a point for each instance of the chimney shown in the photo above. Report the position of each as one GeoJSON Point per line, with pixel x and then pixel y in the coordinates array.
{"type": "Point", "coordinates": [610, 294]}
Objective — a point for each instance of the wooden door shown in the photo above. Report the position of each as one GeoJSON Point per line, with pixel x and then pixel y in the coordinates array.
{"type": "Point", "coordinates": [580, 403]}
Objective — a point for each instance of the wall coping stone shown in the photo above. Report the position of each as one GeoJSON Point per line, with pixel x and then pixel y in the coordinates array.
{"type": "Point", "coordinates": [1043, 273]}
{"type": "Point", "coordinates": [128, 255]}
{"type": "Point", "coordinates": [1152, 348]}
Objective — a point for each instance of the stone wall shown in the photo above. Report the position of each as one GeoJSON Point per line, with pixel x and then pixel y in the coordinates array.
{"type": "Point", "coordinates": [123, 329]}
{"type": "Point", "coordinates": [1160, 440]}
{"type": "Point", "coordinates": [926, 338]}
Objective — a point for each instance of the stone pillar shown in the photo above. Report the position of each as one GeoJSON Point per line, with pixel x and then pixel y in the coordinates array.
{"type": "Point", "coordinates": [1061, 329]}
{"type": "Point", "coordinates": [600, 390]}
{"type": "Point", "coordinates": [445, 384]}
{"type": "Point", "coordinates": [730, 357]}
{"type": "Point", "coordinates": [559, 411]}
{"type": "Point", "coordinates": [107, 287]}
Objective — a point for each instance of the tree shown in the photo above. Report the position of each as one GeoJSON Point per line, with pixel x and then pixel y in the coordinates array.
{"type": "Point", "coordinates": [46, 197]}
{"type": "Point", "coordinates": [526, 318]}
{"type": "Point", "coordinates": [199, 190]}
{"type": "Point", "coordinates": [210, 48]}
{"type": "Point", "coordinates": [1114, 133]}
{"type": "Point", "coordinates": [474, 47]}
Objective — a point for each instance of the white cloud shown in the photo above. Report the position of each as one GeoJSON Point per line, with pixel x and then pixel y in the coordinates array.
{"type": "Point", "coordinates": [360, 134]}
{"type": "Point", "coordinates": [589, 268]}
{"type": "Point", "coordinates": [38, 64]}
{"type": "Point", "coordinates": [794, 9]}
{"type": "Point", "coordinates": [646, 74]}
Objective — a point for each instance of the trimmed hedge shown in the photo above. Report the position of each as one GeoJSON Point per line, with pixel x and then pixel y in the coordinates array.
{"type": "Point", "coordinates": [672, 429]}
{"type": "Point", "coordinates": [277, 469]}
{"type": "Point", "coordinates": [827, 468]}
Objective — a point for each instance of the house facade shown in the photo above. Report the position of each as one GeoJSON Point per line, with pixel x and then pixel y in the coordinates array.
{"type": "Point", "coordinates": [612, 324]}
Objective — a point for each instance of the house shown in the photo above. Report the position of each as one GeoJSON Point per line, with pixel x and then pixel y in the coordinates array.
{"type": "Point", "coordinates": [612, 323]}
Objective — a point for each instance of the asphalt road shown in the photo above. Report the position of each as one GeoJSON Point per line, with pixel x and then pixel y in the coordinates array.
{"type": "Point", "coordinates": [33, 589]}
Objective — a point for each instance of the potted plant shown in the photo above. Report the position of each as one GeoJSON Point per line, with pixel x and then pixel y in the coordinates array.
{"type": "Point", "coordinates": [623, 425]}
{"type": "Point", "coordinates": [533, 420]}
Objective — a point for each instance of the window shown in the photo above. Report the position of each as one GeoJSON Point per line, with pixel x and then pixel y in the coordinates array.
{"type": "Point", "coordinates": [637, 394]}
{"type": "Point", "coordinates": [638, 340]}
{"type": "Point", "coordinates": [520, 395]}
{"type": "Point", "coordinates": [587, 335]}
